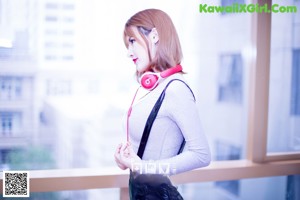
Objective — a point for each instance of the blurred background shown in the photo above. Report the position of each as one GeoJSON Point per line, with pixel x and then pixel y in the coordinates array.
{"type": "Point", "coordinates": [66, 83]}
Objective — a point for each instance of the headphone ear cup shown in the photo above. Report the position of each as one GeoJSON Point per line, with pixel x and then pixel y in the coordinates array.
{"type": "Point", "coordinates": [149, 80]}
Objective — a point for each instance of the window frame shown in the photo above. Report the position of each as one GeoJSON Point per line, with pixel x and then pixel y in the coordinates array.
{"type": "Point", "coordinates": [259, 91]}
{"type": "Point", "coordinates": [258, 162]}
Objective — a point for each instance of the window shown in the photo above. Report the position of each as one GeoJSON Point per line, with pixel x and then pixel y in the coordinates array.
{"type": "Point", "coordinates": [59, 30]}
{"type": "Point", "coordinates": [68, 6]}
{"type": "Point", "coordinates": [51, 32]}
{"type": "Point", "coordinates": [295, 86]}
{"type": "Point", "coordinates": [51, 6]}
{"type": "Point", "coordinates": [51, 45]}
{"type": "Point", "coordinates": [223, 122]}
{"type": "Point", "coordinates": [284, 86]}
{"type": "Point", "coordinates": [59, 87]}
{"type": "Point", "coordinates": [228, 151]}
{"type": "Point", "coordinates": [68, 32]}
{"type": "Point", "coordinates": [230, 78]}
{"type": "Point", "coordinates": [68, 57]}
{"type": "Point", "coordinates": [50, 57]}
{"type": "Point", "coordinates": [69, 19]}
{"type": "Point", "coordinates": [230, 3]}
{"type": "Point", "coordinates": [10, 87]}
{"type": "Point", "coordinates": [10, 123]}
{"type": "Point", "coordinates": [67, 45]}
{"type": "Point", "coordinates": [293, 185]}
{"type": "Point", "coordinates": [4, 157]}
{"type": "Point", "coordinates": [5, 53]}
{"type": "Point", "coordinates": [51, 18]}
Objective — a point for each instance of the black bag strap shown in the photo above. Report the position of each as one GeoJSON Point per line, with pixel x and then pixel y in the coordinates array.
{"type": "Point", "coordinates": [152, 117]}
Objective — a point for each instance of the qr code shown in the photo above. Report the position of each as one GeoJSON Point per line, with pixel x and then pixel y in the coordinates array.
{"type": "Point", "coordinates": [15, 184]}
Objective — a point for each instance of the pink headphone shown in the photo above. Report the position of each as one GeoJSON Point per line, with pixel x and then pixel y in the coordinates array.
{"type": "Point", "coordinates": [150, 80]}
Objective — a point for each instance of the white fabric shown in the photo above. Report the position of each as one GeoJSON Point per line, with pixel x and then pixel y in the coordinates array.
{"type": "Point", "coordinates": [178, 117]}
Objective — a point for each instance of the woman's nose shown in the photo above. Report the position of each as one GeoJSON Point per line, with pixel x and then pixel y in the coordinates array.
{"type": "Point", "coordinates": [129, 52]}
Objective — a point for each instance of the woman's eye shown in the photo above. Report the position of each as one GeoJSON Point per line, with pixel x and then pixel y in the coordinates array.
{"type": "Point", "coordinates": [131, 40]}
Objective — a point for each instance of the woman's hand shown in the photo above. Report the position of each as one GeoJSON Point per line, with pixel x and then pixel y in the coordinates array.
{"type": "Point", "coordinates": [118, 157]}
{"type": "Point", "coordinates": [125, 157]}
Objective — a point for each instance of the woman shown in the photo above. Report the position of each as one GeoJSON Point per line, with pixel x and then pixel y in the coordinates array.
{"type": "Point", "coordinates": [153, 45]}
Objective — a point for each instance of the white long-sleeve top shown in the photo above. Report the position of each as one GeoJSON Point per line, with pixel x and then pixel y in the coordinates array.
{"type": "Point", "coordinates": [177, 119]}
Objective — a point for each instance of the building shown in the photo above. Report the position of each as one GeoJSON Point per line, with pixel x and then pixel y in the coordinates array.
{"type": "Point", "coordinates": [18, 69]}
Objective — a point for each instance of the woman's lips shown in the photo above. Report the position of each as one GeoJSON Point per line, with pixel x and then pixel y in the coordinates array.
{"type": "Point", "coordinates": [134, 60]}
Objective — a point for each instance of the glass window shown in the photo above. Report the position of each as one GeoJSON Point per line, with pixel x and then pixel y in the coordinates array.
{"type": "Point", "coordinates": [51, 18]}
{"type": "Point", "coordinates": [68, 57]}
{"type": "Point", "coordinates": [51, 32]}
{"type": "Point", "coordinates": [68, 19]}
{"type": "Point", "coordinates": [277, 188]}
{"type": "Point", "coordinates": [68, 32]}
{"type": "Point", "coordinates": [68, 6]}
{"type": "Point", "coordinates": [108, 194]}
{"type": "Point", "coordinates": [284, 99]}
{"type": "Point", "coordinates": [295, 86]}
{"type": "Point", "coordinates": [84, 81]}
{"type": "Point", "coordinates": [230, 78]}
{"type": "Point", "coordinates": [10, 123]}
{"type": "Point", "coordinates": [75, 112]}
{"type": "Point", "coordinates": [5, 53]}
{"type": "Point", "coordinates": [51, 6]}
{"type": "Point", "coordinates": [230, 3]}
{"type": "Point", "coordinates": [227, 151]}
{"type": "Point", "coordinates": [221, 79]}
{"type": "Point", "coordinates": [59, 87]}
{"type": "Point", "coordinates": [4, 157]}
{"type": "Point", "coordinates": [11, 88]}
{"type": "Point", "coordinates": [50, 57]}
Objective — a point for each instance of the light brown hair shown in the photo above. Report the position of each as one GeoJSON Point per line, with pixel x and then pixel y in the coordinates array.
{"type": "Point", "coordinates": [168, 52]}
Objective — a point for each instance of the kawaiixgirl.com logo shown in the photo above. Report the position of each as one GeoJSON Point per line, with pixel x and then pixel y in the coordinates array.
{"type": "Point", "coordinates": [247, 8]}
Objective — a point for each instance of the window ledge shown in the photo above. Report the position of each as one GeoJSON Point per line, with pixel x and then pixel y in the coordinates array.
{"type": "Point", "coordinates": [87, 178]}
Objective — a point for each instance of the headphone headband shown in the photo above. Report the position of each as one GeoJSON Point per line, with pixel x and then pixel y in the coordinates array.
{"type": "Point", "coordinates": [150, 80]}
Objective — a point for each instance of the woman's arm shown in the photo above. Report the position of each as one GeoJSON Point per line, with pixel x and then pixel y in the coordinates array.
{"type": "Point", "coordinates": [182, 109]}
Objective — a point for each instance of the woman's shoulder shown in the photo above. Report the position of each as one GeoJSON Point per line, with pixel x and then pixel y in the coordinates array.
{"type": "Point", "coordinates": [176, 82]}
{"type": "Point", "coordinates": [178, 87]}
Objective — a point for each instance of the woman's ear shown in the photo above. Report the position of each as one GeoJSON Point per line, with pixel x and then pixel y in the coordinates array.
{"type": "Point", "coordinates": [154, 38]}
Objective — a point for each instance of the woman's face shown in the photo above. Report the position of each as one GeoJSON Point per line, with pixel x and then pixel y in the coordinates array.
{"type": "Point", "coordinates": [138, 50]}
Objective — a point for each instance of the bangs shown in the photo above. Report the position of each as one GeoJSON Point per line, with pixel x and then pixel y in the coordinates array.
{"type": "Point", "coordinates": [128, 33]}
